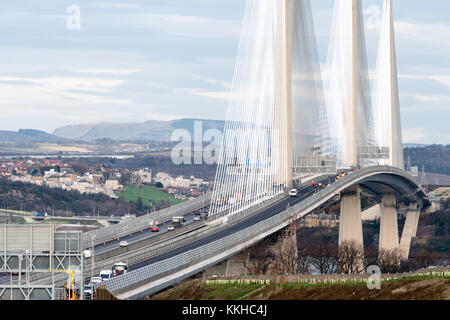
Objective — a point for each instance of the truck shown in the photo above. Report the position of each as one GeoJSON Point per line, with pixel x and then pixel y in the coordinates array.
{"type": "Point", "coordinates": [87, 253]}
{"type": "Point", "coordinates": [119, 268]}
{"type": "Point", "coordinates": [177, 221]}
{"type": "Point", "coordinates": [38, 215]}
{"type": "Point", "coordinates": [106, 274]}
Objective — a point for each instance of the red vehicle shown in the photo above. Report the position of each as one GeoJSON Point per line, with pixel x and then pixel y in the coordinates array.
{"type": "Point", "coordinates": [155, 229]}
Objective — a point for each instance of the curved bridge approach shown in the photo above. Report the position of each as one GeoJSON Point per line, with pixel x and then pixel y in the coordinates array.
{"type": "Point", "coordinates": [224, 239]}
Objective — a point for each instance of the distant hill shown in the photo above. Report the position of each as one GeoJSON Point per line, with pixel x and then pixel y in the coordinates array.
{"type": "Point", "coordinates": [435, 158]}
{"type": "Point", "coordinates": [414, 145]}
{"type": "Point", "coordinates": [152, 130]}
{"type": "Point", "coordinates": [29, 135]}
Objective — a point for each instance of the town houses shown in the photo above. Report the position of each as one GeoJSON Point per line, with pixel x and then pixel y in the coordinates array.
{"type": "Point", "coordinates": [96, 179]}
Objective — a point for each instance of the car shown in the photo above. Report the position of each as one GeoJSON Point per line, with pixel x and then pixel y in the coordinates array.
{"type": "Point", "coordinates": [196, 218]}
{"type": "Point", "coordinates": [155, 229]}
{"type": "Point", "coordinates": [293, 193]}
{"type": "Point", "coordinates": [96, 280]}
{"type": "Point", "coordinates": [123, 244]}
{"type": "Point", "coordinates": [170, 228]}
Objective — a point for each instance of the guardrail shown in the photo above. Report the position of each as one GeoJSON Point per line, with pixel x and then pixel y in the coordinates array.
{"type": "Point", "coordinates": [128, 227]}
{"type": "Point", "coordinates": [248, 236]}
{"type": "Point", "coordinates": [131, 248]}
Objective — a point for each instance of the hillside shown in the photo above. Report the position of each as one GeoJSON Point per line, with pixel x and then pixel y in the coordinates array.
{"type": "Point", "coordinates": [415, 288]}
{"type": "Point", "coordinates": [31, 197]}
{"type": "Point", "coordinates": [29, 135]}
{"type": "Point", "coordinates": [152, 130]}
{"type": "Point", "coordinates": [435, 158]}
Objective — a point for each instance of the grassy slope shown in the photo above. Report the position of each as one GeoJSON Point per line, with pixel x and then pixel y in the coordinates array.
{"type": "Point", "coordinates": [415, 288]}
{"type": "Point", "coordinates": [148, 194]}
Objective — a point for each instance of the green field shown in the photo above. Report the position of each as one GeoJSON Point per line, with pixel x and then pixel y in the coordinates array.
{"type": "Point", "coordinates": [148, 195]}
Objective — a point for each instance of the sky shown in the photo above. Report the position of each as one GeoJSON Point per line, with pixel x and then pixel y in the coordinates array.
{"type": "Point", "coordinates": [138, 60]}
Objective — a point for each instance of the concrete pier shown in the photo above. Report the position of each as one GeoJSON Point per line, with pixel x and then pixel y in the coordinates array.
{"type": "Point", "coordinates": [409, 229]}
{"type": "Point", "coordinates": [389, 239]}
{"type": "Point", "coordinates": [350, 226]}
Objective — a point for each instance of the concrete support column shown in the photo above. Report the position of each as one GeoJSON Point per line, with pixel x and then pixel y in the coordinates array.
{"type": "Point", "coordinates": [389, 226]}
{"type": "Point", "coordinates": [409, 229]}
{"type": "Point", "coordinates": [350, 225]}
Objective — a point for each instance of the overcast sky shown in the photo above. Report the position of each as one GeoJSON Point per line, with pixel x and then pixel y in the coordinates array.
{"type": "Point", "coordinates": [164, 59]}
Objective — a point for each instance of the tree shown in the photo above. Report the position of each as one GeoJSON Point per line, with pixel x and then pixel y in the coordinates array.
{"type": "Point", "coordinates": [323, 257]}
{"type": "Point", "coordinates": [286, 260]}
{"type": "Point", "coordinates": [303, 262]}
{"type": "Point", "coordinates": [125, 178]}
{"type": "Point", "coordinates": [350, 257]}
{"type": "Point", "coordinates": [371, 255]}
{"type": "Point", "coordinates": [261, 257]}
{"type": "Point", "coordinates": [140, 204]}
{"type": "Point", "coordinates": [389, 260]}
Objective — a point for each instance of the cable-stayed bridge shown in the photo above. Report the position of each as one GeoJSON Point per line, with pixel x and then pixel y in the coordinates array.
{"type": "Point", "coordinates": [289, 121]}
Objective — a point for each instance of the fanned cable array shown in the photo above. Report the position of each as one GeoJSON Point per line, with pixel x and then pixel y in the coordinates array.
{"type": "Point", "coordinates": [347, 85]}
{"type": "Point", "coordinates": [283, 123]}
{"type": "Point", "coordinates": [310, 122]}
{"type": "Point", "coordinates": [276, 113]}
{"type": "Point", "coordinates": [388, 128]}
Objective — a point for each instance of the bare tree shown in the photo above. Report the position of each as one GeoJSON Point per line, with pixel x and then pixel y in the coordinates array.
{"type": "Point", "coordinates": [261, 257]}
{"type": "Point", "coordinates": [304, 262]}
{"type": "Point", "coordinates": [350, 257]}
{"type": "Point", "coordinates": [371, 255]}
{"type": "Point", "coordinates": [389, 260]}
{"type": "Point", "coordinates": [286, 261]}
{"type": "Point", "coordinates": [323, 257]}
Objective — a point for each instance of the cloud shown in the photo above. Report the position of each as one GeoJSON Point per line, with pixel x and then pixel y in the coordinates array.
{"type": "Point", "coordinates": [415, 135]}
{"type": "Point", "coordinates": [223, 84]}
{"type": "Point", "coordinates": [420, 31]}
{"type": "Point", "coordinates": [427, 97]}
{"type": "Point", "coordinates": [106, 71]}
{"type": "Point", "coordinates": [51, 90]}
{"type": "Point", "coordinates": [163, 117]}
{"type": "Point", "coordinates": [223, 95]}
{"type": "Point", "coordinates": [441, 78]}
{"type": "Point", "coordinates": [183, 25]}
{"type": "Point", "coordinates": [116, 5]}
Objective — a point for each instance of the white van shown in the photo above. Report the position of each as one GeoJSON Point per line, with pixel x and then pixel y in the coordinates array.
{"type": "Point", "coordinates": [106, 274]}
{"type": "Point", "coordinates": [87, 253]}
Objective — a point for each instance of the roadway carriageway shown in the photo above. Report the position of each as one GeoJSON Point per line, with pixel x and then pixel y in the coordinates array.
{"type": "Point", "coordinates": [265, 214]}
{"type": "Point", "coordinates": [139, 236]}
